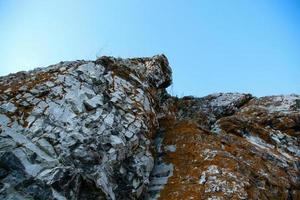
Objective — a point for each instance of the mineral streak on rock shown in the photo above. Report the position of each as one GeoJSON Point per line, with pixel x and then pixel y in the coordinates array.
{"type": "Point", "coordinates": [107, 129]}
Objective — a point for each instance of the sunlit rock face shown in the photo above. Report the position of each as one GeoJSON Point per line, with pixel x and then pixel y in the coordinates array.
{"type": "Point", "coordinates": [80, 130]}
{"type": "Point", "coordinates": [107, 129]}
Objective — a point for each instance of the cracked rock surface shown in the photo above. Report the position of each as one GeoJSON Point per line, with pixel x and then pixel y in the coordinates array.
{"type": "Point", "coordinates": [80, 130]}
{"type": "Point", "coordinates": [107, 129]}
{"type": "Point", "coordinates": [230, 146]}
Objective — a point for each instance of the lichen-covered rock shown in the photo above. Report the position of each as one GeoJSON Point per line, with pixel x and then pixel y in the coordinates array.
{"type": "Point", "coordinates": [230, 146]}
{"type": "Point", "coordinates": [80, 130]}
{"type": "Point", "coordinates": [107, 129]}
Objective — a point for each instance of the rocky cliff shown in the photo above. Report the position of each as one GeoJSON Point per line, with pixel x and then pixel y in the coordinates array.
{"type": "Point", "coordinates": [107, 129]}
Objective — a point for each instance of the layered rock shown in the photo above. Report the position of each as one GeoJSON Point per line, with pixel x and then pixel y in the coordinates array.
{"type": "Point", "coordinates": [107, 129]}
{"type": "Point", "coordinates": [80, 130]}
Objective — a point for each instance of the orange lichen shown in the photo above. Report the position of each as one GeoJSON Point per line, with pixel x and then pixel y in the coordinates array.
{"type": "Point", "coordinates": [184, 182]}
{"type": "Point", "coordinates": [232, 153]}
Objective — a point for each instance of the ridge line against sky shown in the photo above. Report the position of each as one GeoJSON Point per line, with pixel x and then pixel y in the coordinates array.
{"type": "Point", "coordinates": [212, 46]}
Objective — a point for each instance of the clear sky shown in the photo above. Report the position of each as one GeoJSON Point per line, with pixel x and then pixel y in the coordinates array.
{"type": "Point", "coordinates": [212, 45]}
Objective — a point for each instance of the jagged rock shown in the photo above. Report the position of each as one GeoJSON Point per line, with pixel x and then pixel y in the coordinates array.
{"type": "Point", "coordinates": [82, 123]}
{"type": "Point", "coordinates": [107, 129]}
{"type": "Point", "coordinates": [231, 146]}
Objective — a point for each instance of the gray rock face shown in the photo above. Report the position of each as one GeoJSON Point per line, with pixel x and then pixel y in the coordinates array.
{"type": "Point", "coordinates": [107, 129]}
{"type": "Point", "coordinates": [80, 130]}
{"type": "Point", "coordinates": [207, 110]}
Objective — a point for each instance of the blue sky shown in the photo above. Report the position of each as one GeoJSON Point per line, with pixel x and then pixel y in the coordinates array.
{"type": "Point", "coordinates": [212, 45]}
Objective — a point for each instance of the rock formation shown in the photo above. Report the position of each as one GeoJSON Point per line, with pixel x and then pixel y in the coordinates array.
{"type": "Point", "coordinates": [107, 129]}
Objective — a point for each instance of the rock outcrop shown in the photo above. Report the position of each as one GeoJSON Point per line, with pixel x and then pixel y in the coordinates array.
{"type": "Point", "coordinates": [229, 146]}
{"type": "Point", "coordinates": [107, 129]}
{"type": "Point", "coordinates": [80, 130]}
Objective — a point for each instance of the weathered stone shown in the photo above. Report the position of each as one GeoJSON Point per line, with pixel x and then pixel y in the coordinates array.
{"type": "Point", "coordinates": [230, 146]}
{"type": "Point", "coordinates": [94, 102]}
{"type": "Point", "coordinates": [8, 107]}
{"type": "Point", "coordinates": [89, 129]}
{"type": "Point", "coordinates": [79, 122]}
